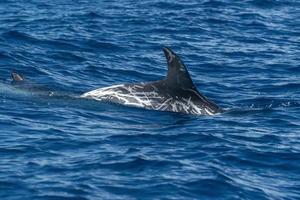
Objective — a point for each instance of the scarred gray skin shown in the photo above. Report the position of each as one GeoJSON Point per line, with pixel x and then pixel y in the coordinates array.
{"type": "Point", "coordinates": [175, 93]}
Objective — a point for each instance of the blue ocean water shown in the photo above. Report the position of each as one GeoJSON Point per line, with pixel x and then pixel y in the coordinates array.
{"type": "Point", "coordinates": [244, 55]}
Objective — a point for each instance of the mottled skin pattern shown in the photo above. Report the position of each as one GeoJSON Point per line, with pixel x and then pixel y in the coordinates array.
{"type": "Point", "coordinates": [176, 93]}
{"type": "Point", "coordinates": [156, 96]}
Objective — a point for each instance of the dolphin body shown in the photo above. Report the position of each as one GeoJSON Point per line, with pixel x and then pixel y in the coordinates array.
{"type": "Point", "coordinates": [175, 93]}
{"type": "Point", "coordinates": [19, 82]}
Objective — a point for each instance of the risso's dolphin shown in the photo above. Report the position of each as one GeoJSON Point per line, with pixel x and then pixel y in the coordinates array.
{"type": "Point", "coordinates": [175, 93]}
{"type": "Point", "coordinates": [18, 81]}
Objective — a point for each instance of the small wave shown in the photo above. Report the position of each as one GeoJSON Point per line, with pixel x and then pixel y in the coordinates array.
{"type": "Point", "coordinates": [62, 44]}
{"type": "Point", "coordinates": [140, 164]}
{"type": "Point", "coordinates": [169, 5]}
{"type": "Point", "coordinates": [252, 109]}
{"type": "Point", "coordinates": [89, 16]}
{"type": "Point", "coordinates": [221, 184]}
{"type": "Point", "coordinates": [66, 56]}
{"type": "Point", "coordinates": [9, 151]}
{"type": "Point", "coordinates": [250, 16]}
{"type": "Point", "coordinates": [92, 15]}
{"type": "Point", "coordinates": [51, 44]}
{"type": "Point", "coordinates": [267, 103]}
{"type": "Point", "coordinates": [285, 87]}
{"type": "Point", "coordinates": [4, 55]}
{"type": "Point", "coordinates": [17, 35]}
{"type": "Point", "coordinates": [214, 3]}
{"type": "Point", "coordinates": [62, 196]}
{"type": "Point", "coordinates": [219, 21]}
{"type": "Point", "coordinates": [18, 149]}
{"type": "Point", "coordinates": [103, 46]}
{"type": "Point", "coordinates": [135, 164]}
{"type": "Point", "coordinates": [268, 3]}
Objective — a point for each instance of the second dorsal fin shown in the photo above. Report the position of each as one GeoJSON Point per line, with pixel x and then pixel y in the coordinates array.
{"type": "Point", "coordinates": [17, 77]}
{"type": "Point", "coordinates": [177, 76]}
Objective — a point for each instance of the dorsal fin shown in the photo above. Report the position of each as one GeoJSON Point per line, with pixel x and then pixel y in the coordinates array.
{"type": "Point", "coordinates": [177, 76]}
{"type": "Point", "coordinates": [16, 77]}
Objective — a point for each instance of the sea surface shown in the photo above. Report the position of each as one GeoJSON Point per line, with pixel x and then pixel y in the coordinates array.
{"type": "Point", "coordinates": [244, 55]}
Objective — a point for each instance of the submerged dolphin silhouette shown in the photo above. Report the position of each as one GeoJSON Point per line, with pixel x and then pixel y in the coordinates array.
{"type": "Point", "coordinates": [20, 82]}
{"type": "Point", "coordinates": [175, 93]}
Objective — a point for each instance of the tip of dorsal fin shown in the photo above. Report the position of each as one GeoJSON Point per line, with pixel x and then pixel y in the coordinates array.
{"type": "Point", "coordinates": [178, 75]}
{"type": "Point", "coordinates": [16, 77]}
